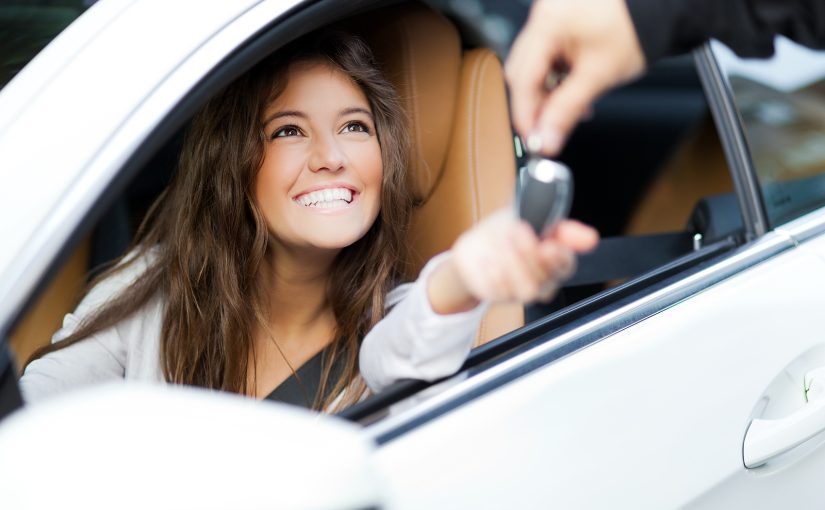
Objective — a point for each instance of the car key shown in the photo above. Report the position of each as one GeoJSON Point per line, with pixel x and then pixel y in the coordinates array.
{"type": "Point", "coordinates": [545, 195]}
{"type": "Point", "coordinates": [546, 186]}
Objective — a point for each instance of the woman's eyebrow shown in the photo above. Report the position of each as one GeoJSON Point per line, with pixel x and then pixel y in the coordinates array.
{"type": "Point", "coordinates": [284, 113]}
{"type": "Point", "coordinates": [355, 109]}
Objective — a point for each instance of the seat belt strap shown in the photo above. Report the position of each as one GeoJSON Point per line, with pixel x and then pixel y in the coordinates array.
{"type": "Point", "coordinates": [628, 256]}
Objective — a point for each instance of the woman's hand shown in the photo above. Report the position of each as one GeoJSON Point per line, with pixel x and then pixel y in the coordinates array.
{"type": "Point", "coordinates": [502, 260]}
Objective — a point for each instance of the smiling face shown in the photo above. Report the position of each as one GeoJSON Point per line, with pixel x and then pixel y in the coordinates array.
{"type": "Point", "coordinates": [320, 182]}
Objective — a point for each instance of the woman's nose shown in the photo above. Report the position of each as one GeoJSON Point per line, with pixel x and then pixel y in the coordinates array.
{"type": "Point", "coordinates": [326, 154]}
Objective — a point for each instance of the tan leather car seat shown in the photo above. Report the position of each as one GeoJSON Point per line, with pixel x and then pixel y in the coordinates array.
{"type": "Point", "coordinates": [697, 169]}
{"type": "Point", "coordinates": [463, 162]}
{"type": "Point", "coordinates": [46, 315]}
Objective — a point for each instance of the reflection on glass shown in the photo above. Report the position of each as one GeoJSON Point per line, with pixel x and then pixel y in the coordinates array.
{"type": "Point", "coordinates": [781, 101]}
{"type": "Point", "coordinates": [27, 26]}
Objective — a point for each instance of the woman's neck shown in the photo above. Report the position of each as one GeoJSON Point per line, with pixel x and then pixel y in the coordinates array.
{"type": "Point", "coordinates": [297, 290]}
{"type": "Point", "coordinates": [300, 321]}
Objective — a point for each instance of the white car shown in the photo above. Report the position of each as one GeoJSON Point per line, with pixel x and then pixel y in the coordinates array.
{"type": "Point", "coordinates": [683, 366]}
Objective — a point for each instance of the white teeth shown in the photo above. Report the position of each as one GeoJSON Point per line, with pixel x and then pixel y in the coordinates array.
{"type": "Point", "coordinates": [331, 205]}
{"type": "Point", "coordinates": [326, 198]}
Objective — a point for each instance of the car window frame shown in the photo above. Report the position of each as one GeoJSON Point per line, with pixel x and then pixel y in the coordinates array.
{"type": "Point", "coordinates": [734, 143]}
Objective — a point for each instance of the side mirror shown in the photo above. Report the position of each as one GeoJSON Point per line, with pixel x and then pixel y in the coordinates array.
{"type": "Point", "coordinates": [139, 446]}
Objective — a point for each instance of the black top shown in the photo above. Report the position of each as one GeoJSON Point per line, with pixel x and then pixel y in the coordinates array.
{"type": "Point", "coordinates": [748, 27]}
{"type": "Point", "coordinates": [301, 390]}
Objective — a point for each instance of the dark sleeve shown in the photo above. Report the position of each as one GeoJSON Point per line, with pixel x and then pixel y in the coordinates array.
{"type": "Point", "coordinates": [748, 27]}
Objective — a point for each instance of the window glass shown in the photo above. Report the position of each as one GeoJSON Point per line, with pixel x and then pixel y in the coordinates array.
{"type": "Point", "coordinates": [27, 26]}
{"type": "Point", "coordinates": [781, 102]}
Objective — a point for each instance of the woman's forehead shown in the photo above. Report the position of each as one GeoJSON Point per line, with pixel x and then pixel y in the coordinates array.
{"type": "Point", "coordinates": [316, 82]}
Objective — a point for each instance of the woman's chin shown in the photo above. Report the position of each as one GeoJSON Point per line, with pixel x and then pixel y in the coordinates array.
{"type": "Point", "coordinates": [335, 235]}
{"type": "Point", "coordinates": [337, 241]}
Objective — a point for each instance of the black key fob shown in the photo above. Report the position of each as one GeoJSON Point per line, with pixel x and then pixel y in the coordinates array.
{"type": "Point", "coordinates": [545, 194]}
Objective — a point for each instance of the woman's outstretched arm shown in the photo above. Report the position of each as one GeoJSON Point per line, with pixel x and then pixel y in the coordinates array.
{"type": "Point", "coordinates": [431, 327]}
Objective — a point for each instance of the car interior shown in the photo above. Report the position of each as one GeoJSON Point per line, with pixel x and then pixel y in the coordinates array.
{"type": "Point", "coordinates": [649, 171]}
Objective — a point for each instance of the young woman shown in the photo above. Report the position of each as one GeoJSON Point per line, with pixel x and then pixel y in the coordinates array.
{"type": "Point", "coordinates": [274, 254]}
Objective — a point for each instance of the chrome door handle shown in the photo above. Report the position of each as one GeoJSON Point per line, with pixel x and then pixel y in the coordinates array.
{"type": "Point", "coordinates": [766, 439]}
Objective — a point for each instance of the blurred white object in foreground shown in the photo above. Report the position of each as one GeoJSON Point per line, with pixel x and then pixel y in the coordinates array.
{"type": "Point", "coordinates": [134, 446]}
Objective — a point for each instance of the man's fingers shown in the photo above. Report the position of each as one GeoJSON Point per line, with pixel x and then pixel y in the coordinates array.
{"type": "Point", "coordinates": [565, 106]}
{"type": "Point", "coordinates": [525, 71]}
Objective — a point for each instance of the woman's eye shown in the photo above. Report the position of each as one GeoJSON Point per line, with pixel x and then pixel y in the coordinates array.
{"type": "Point", "coordinates": [286, 131]}
{"type": "Point", "coordinates": [356, 127]}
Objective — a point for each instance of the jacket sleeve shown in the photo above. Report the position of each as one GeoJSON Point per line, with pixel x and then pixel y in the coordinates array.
{"type": "Point", "coordinates": [414, 342]}
{"type": "Point", "coordinates": [93, 360]}
{"type": "Point", "coordinates": [748, 27]}
{"type": "Point", "coordinates": [101, 357]}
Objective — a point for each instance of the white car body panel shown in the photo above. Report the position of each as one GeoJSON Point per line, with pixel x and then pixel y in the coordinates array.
{"type": "Point", "coordinates": [655, 415]}
{"type": "Point", "coordinates": [163, 447]}
{"type": "Point", "coordinates": [53, 58]}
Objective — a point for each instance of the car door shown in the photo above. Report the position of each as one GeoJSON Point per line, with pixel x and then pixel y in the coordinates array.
{"type": "Point", "coordinates": [700, 392]}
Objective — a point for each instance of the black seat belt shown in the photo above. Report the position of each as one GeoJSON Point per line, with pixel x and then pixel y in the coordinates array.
{"type": "Point", "coordinates": [628, 256]}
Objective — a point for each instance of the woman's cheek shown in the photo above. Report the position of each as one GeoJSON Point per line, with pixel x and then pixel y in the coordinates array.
{"type": "Point", "coordinates": [272, 186]}
{"type": "Point", "coordinates": [374, 168]}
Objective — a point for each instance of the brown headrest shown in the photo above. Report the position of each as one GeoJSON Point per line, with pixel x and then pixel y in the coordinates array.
{"type": "Point", "coordinates": [420, 53]}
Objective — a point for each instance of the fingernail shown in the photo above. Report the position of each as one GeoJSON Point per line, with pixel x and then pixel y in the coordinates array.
{"type": "Point", "coordinates": [551, 141]}
{"type": "Point", "coordinates": [534, 143]}
{"type": "Point", "coordinates": [547, 141]}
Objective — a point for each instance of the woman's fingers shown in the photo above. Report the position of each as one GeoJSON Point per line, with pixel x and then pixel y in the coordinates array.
{"type": "Point", "coordinates": [502, 259]}
{"type": "Point", "coordinates": [558, 260]}
{"type": "Point", "coordinates": [526, 271]}
{"type": "Point", "coordinates": [576, 235]}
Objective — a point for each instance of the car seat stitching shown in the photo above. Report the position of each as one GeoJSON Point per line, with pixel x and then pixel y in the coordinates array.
{"type": "Point", "coordinates": [485, 59]}
{"type": "Point", "coordinates": [423, 165]}
{"type": "Point", "coordinates": [474, 103]}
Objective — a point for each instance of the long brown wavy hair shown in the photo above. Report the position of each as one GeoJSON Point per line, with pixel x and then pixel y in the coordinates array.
{"type": "Point", "coordinates": [207, 242]}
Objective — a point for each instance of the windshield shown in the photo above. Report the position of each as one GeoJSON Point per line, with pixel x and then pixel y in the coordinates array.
{"type": "Point", "coordinates": [27, 26]}
{"type": "Point", "coordinates": [781, 102]}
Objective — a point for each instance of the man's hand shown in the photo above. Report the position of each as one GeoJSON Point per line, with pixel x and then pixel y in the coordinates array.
{"type": "Point", "coordinates": [594, 39]}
